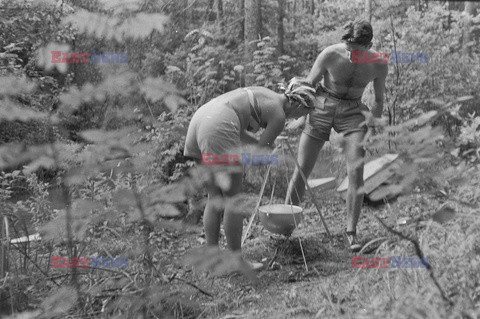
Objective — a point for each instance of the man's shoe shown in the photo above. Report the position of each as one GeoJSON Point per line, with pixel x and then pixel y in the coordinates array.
{"type": "Point", "coordinates": [353, 245]}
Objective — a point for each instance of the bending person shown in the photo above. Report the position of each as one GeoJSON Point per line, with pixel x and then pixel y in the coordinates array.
{"type": "Point", "coordinates": [222, 124]}
{"type": "Point", "coordinates": [343, 80]}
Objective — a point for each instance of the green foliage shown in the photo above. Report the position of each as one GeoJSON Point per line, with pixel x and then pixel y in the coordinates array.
{"type": "Point", "coordinates": [308, 33]}
{"type": "Point", "coordinates": [468, 142]}
{"type": "Point", "coordinates": [60, 302]}
{"type": "Point", "coordinates": [38, 204]}
{"type": "Point", "coordinates": [120, 149]}
{"type": "Point", "coordinates": [269, 69]}
{"type": "Point", "coordinates": [409, 84]}
{"type": "Point", "coordinates": [20, 123]}
{"type": "Point", "coordinates": [205, 67]}
{"type": "Point", "coordinates": [118, 27]}
{"type": "Point", "coordinates": [169, 140]}
{"type": "Point", "coordinates": [114, 136]}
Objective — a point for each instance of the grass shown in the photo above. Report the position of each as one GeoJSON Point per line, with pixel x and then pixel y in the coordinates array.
{"type": "Point", "coordinates": [330, 288]}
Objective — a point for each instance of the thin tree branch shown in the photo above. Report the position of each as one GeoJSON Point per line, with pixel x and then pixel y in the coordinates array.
{"type": "Point", "coordinates": [139, 80]}
{"type": "Point", "coordinates": [420, 254]}
{"type": "Point", "coordinates": [33, 262]}
{"type": "Point", "coordinates": [189, 6]}
{"type": "Point", "coordinates": [397, 79]}
{"type": "Point", "coordinates": [192, 285]}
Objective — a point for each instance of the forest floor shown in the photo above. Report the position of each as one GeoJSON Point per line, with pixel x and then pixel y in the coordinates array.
{"type": "Point", "coordinates": [285, 289]}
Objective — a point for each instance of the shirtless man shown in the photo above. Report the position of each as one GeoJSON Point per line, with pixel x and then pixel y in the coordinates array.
{"type": "Point", "coordinates": [339, 106]}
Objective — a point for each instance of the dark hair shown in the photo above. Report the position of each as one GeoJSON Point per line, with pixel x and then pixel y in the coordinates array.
{"type": "Point", "coordinates": [358, 31]}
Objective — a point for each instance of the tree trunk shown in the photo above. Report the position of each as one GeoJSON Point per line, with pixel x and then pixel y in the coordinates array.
{"type": "Point", "coordinates": [258, 18]}
{"type": "Point", "coordinates": [368, 10]}
{"type": "Point", "coordinates": [241, 26]}
{"type": "Point", "coordinates": [280, 30]}
{"type": "Point", "coordinates": [3, 245]}
{"type": "Point", "coordinates": [467, 35]}
{"type": "Point", "coordinates": [249, 28]}
{"type": "Point", "coordinates": [470, 8]}
{"type": "Point", "coordinates": [219, 9]}
{"type": "Point", "coordinates": [293, 13]}
{"type": "Point", "coordinates": [253, 27]}
{"type": "Point", "coordinates": [455, 5]}
{"type": "Point", "coordinates": [312, 7]}
{"type": "Point", "coordinates": [209, 11]}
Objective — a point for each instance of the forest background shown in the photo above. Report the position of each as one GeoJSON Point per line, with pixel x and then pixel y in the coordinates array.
{"type": "Point", "coordinates": [91, 155]}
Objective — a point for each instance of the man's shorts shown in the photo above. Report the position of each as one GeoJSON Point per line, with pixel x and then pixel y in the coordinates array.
{"type": "Point", "coordinates": [345, 116]}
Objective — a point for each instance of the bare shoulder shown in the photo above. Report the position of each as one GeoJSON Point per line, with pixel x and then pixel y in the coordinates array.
{"type": "Point", "coordinates": [338, 47]}
{"type": "Point", "coordinates": [333, 50]}
{"type": "Point", "coordinates": [381, 69]}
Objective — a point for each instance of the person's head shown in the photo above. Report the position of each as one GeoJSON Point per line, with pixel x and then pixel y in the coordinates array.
{"type": "Point", "coordinates": [301, 98]}
{"type": "Point", "coordinates": [358, 35]}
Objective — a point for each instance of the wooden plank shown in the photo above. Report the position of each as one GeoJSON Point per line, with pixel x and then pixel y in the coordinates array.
{"type": "Point", "coordinates": [382, 176]}
{"type": "Point", "coordinates": [321, 183]}
{"type": "Point", "coordinates": [370, 169]}
{"type": "Point", "coordinates": [24, 239]}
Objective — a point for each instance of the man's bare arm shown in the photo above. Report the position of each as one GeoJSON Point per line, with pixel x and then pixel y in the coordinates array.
{"type": "Point", "coordinates": [379, 90]}
{"type": "Point", "coordinates": [318, 69]}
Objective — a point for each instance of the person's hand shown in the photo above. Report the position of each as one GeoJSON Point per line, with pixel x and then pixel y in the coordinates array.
{"type": "Point", "coordinates": [296, 124]}
{"type": "Point", "coordinates": [374, 123]}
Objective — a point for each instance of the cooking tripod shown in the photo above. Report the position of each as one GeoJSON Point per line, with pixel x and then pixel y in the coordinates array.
{"type": "Point", "coordinates": [284, 142]}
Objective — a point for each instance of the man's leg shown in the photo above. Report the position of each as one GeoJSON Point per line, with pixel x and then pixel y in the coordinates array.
{"type": "Point", "coordinates": [308, 150]}
{"type": "Point", "coordinates": [233, 220]}
{"type": "Point", "coordinates": [354, 153]}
